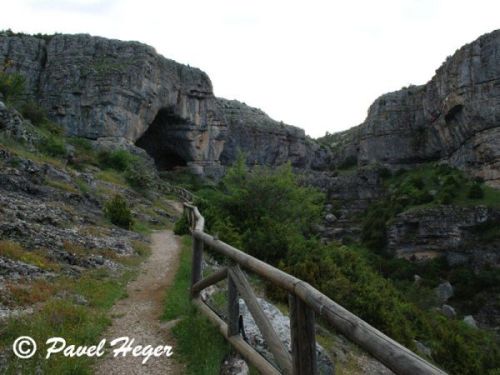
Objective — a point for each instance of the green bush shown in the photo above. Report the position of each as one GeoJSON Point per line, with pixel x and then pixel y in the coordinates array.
{"type": "Point", "coordinates": [118, 212]}
{"type": "Point", "coordinates": [33, 112]}
{"type": "Point", "coordinates": [53, 146]}
{"type": "Point", "coordinates": [12, 86]}
{"type": "Point", "coordinates": [84, 153]}
{"type": "Point", "coordinates": [139, 176]}
{"type": "Point", "coordinates": [446, 195]}
{"type": "Point", "coordinates": [261, 208]}
{"type": "Point", "coordinates": [182, 225]}
{"type": "Point", "coordinates": [349, 162]}
{"type": "Point", "coordinates": [119, 160]}
{"type": "Point", "coordinates": [475, 191]}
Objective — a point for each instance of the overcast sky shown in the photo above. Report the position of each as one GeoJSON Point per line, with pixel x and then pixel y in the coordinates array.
{"type": "Point", "coordinates": [315, 64]}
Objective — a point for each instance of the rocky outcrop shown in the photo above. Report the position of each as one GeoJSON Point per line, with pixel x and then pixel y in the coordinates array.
{"type": "Point", "coordinates": [98, 87]}
{"type": "Point", "coordinates": [348, 194]}
{"type": "Point", "coordinates": [462, 234]}
{"type": "Point", "coordinates": [453, 118]}
{"type": "Point", "coordinates": [265, 141]}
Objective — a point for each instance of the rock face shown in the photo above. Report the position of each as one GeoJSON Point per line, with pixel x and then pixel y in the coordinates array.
{"type": "Point", "coordinates": [349, 194]}
{"type": "Point", "coordinates": [266, 141]}
{"type": "Point", "coordinates": [455, 118]}
{"type": "Point", "coordinates": [98, 87]}
{"type": "Point", "coordinates": [456, 232]}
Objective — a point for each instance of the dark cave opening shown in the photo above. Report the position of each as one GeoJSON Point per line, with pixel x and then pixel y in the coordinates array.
{"type": "Point", "coordinates": [454, 114]}
{"type": "Point", "coordinates": [162, 141]}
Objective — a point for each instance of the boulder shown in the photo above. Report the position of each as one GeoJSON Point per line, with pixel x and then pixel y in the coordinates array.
{"type": "Point", "coordinates": [234, 365]}
{"type": "Point", "coordinates": [470, 321]}
{"type": "Point", "coordinates": [423, 349]}
{"type": "Point", "coordinates": [330, 218]}
{"type": "Point", "coordinates": [444, 291]}
{"type": "Point", "coordinates": [448, 311]}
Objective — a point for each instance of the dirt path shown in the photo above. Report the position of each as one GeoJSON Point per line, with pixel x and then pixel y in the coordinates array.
{"type": "Point", "coordinates": [138, 315]}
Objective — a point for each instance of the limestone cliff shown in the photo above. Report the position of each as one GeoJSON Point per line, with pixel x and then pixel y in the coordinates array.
{"type": "Point", "coordinates": [266, 141]}
{"type": "Point", "coordinates": [101, 88]}
{"type": "Point", "coordinates": [455, 117]}
{"type": "Point", "coordinates": [98, 87]}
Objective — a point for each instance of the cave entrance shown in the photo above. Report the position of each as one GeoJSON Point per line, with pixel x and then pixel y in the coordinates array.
{"type": "Point", "coordinates": [163, 141]}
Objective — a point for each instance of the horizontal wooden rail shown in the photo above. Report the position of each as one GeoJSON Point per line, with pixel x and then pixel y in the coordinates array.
{"type": "Point", "coordinates": [210, 280]}
{"type": "Point", "coordinates": [184, 194]}
{"type": "Point", "coordinates": [304, 297]}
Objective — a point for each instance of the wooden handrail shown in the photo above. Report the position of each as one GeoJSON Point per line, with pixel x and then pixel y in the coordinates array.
{"type": "Point", "coordinates": [305, 300]}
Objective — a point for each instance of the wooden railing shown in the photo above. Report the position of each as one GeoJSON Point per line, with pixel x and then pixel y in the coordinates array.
{"type": "Point", "coordinates": [305, 303]}
{"type": "Point", "coordinates": [184, 194]}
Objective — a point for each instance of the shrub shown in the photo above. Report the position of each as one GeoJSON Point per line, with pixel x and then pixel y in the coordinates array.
{"type": "Point", "coordinates": [33, 112]}
{"type": "Point", "coordinates": [446, 195]}
{"type": "Point", "coordinates": [182, 225]}
{"type": "Point", "coordinates": [12, 86]}
{"type": "Point", "coordinates": [348, 162]}
{"type": "Point", "coordinates": [53, 146]}
{"type": "Point", "coordinates": [264, 206]}
{"type": "Point", "coordinates": [118, 212]}
{"type": "Point", "coordinates": [384, 173]}
{"type": "Point", "coordinates": [475, 191]}
{"type": "Point", "coordinates": [139, 176]}
{"type": "Point", "coordinates": [84, 153]}
{"type": "Point", "coordinates": [119, 160]}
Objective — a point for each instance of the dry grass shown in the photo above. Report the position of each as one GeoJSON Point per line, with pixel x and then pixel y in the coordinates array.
{"type": "Point", "coordinates": [75, 249]}
{"type": "Point", "coordinates": [15, 251]}
{"type": "Point", "coordinates": [34, 292]}
{"type": "Point", "coordinates": [61, 185]}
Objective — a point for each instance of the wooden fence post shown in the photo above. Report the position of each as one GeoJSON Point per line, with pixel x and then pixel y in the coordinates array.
{"type": "Point", "coordinates": [233, 315]}
{"type": "Point", "coordinates": [196, 263]}
{"type": "Point", "coordinates": [303, 337]}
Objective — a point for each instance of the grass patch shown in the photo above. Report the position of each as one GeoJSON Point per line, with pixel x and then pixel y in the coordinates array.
{"type": "Point", "coordinates": [61, 185]}
{"type": "Point", "coordinates": [60, 314]}
{"type": "Point", "coordinates": [13, 250]}
{"type": "Point", "coordinates": [198, 342]}
{"type": "Point", "coordinates": [142, 228]}
{"type": "Point", "coordinates": [23, 152]}
{"type": "Point", "coordinates": [111, 176]}
{"type": "Point", "coordinates": [78, 324]}
{"type": "Point", "coordinates": [178, 302]}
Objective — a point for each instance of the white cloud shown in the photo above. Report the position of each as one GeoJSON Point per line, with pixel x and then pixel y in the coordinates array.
{"type": "Point", "coordinates": [316, 64]}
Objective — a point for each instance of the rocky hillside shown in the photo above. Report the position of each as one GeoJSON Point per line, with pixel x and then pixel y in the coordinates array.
{"type": "Point", "coordinates": [453, 118]}
{"type": "Point", "coordinates": [74, 222]}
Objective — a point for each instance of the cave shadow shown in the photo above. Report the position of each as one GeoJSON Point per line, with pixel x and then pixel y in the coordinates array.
{"type": "Point", "coordinates": [162, 141]}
